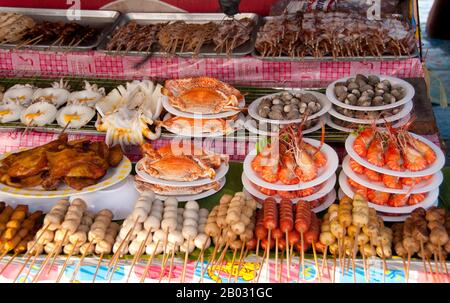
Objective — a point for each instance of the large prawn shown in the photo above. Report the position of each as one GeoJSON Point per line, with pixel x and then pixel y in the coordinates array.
{"type": "Point", "coordinates": [363, 140]}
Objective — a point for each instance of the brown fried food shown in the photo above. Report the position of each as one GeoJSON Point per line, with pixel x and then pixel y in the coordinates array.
{"type": "Point", "coordinates": [32, 161]}
{"type": "Point", "coordinates": [87, 170]}
{"type": "Point", "coordinates": [100, 148]}
{"type": "Point", "coordinates": [79, 183]}
{"type": "Point", "coordinates": [49, 182]}
{"type": "Point", "coordinates": [115, 155]}
{"type": "Point", "coordinates": [62, 162]}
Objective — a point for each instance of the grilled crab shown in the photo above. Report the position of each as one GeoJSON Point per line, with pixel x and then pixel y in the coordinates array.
{"type": "Point", "coordinates": [159, 189]}
{"type": "Point", "coordinates": [168, 164]}
{"type": "Point", "coordinates": [181, 125]}
{"type": "Point", "coordinates": [202, 95]}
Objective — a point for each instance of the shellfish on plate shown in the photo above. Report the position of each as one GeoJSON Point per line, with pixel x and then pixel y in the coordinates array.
{"type": "Point", "coordinates": [89, 96]}
{"type": "Point", "coordinates": [39, 113]}
{"type": "Point", "coordinates": [58, 94]}
{"type": "Point", "coordinates": [20, 93]}
{"type": "Point", "coordinates": [10, 112]}
{"type": "Point", "coordinates": [181, 164]}
{"type": "Point", "coordinates": [198, 127]}
{"type": "Point", "coordinates": [126, 113]}
{"type": "Point", "coordinates": [202, 95]}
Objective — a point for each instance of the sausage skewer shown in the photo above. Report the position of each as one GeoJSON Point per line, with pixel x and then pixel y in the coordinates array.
{"type": "Point", "coordinates": [302, 224]}
{"type": "Point", "coordinates": [270, 223]}
{"type": "Point", "coordinates": [287, 225]}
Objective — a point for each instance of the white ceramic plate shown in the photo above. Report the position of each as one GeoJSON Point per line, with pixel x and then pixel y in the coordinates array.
{"type": "Point", "coordinates": [395, 81]}
{"type": "Point", "coordinates": [220, 173]}
{"type": "Point", "coordinates": [430, 170]}
{"type": "Point", "coordinates": [427, 202]}
{"type": "Point", "coordinates": [422, 187]}
{"type": "Point", "coordinates": [201, 195]}
{"type": "Point", "coordinates": [398, 218]}
{"type": "Point", "coordinates": [237, 125]}
{"type": "Point", "coordinates": [327, 186]}
{"type": "Point", "coordinates": [166, 104]}
{"type": "Point", "coordinates": [250, 125]}
{"type": "Point", "coordinates": [113, 176]}
{"type": "Point", "coordinates": [253, 107]}
{"type": "Point", "coordinates": [324, 173]}
{"type": "Point", "coordinates": [401, 114]}
{"type": "Point", "coordinates": [396, 124]}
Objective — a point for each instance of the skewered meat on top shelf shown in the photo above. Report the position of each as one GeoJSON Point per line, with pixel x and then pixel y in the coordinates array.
{"type": "Point", "coordinates": [13, 27]}
{"type": "Point", "coordinates": [232, 34]}
{"type": "Point", "coordinates": [335, 34]}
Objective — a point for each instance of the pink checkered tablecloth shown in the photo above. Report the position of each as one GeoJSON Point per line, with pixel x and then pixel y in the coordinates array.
{"type": "Point", "coordinates": [244, 70]}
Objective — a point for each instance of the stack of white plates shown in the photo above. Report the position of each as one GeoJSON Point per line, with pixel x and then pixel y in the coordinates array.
{"type": "Point", "coordinates": [236, 125]}
{"type": "Point", "coordinates": [429, 188]}
{"type": "Point", "coordinates": [219, 177]}
{"type": "Point", "coordinates": [348, 124]}
{"type": "Point", "coordinates": [323, 194]}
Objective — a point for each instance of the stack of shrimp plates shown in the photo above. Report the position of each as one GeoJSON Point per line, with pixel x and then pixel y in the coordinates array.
{"type": "Point", "coordinates": [398, 171]}
{"type": "Point", "coordinates": [317, 189]}
{"type": "Point", "coordinates": [201, 107]}
{"type": "Point", "coordinates": [399, 110]}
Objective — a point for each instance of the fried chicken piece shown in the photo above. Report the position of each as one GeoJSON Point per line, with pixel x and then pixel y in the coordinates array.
{"type": "Point", "coordinates": [115, 155]}
{"type": "Point", "coordinates": [33, 161]}
{"type": "Point", "coordinates": [79, 183]}
{"type": "Point", "coordinates": [65, 162]}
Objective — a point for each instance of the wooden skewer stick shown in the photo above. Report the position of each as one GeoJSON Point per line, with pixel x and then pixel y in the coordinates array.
{"type": "Point", "coordinates": [324, 260]}
{"type": "Point", "coordinates": [31, 266]}
{"type": "Point", "coordinates": [138, 254]}
{"type": "Point", "coordinates": [222, 257]}
{"type": "Point", "coordinates": [334, 268]}
{"type": "Point", "coordinates": [149, 262]}
{"type": "Point", "coordinates": [407, 267]}
{"type": "Point", "coordinates": [288, 265]}
{"type": "Point", "coordinates": [366, 273]}
{"type": "Point", "coordinates": [24, 265]}
{"type": "Point", "coordinates": [83, 256]}
{"type": "Point", "coordinates": [423, 259]}
{"type": "Point", "coordinates": [242, 256]}
{"type": "Point", "coordinates": [383, 258]}
{"type": "Point", "coordinates": [163, 263]}
{"type": "Point", "coordinates": [59, 245]}
{"type": "Point", "coordinates": [444, 264]}
{"type": "Point", "coordinates": [303, 254]}
{"type": "Point", "coordinates": [268, 254]}
{"type": "Point", "coordinates": [280, 274]}
{"type": "Point", "coordinates": [9, 262]}
{"type": "Point", "coordinates": [316, 261]}
{"type": "Point", "coordinates": [66, 261]}
{"type": "Point", "coordinates": [28, 42]}
{"type": "Point", "coordinates": [210, 260]}
{"type": "Point", "coordinates": [43, 265]}
{"type": "Point", "coordinates": [186, 255]}
{"type": "Point", "coordinates": [232, 265]}
{"type": "Point", "coordinates": [171, 263]}
{"type": "Point", "coordinates": [276, 257]}
{"type": "Point", "coordinates": [202, 251]}
{"type": "Point", "coordinates": [115, 258]}
{"type": "Point", "coordinates": [98, 267]}
{"type": "Point", "coordinates": [355, 249]}
{"type": "Point", "coordinates": [266, 251]}
{"type": "Point", "coordinates": [37, 240]}
{"type": "Point", "coordinates": [431, 270]}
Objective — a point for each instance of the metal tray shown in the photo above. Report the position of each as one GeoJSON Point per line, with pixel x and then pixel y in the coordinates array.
{"type": "Point", "coordinates": [256, 54]}
{"type": "Point", "coordinates": [206, 50]}
{"type": "Point", "coordinates": [102, 20]}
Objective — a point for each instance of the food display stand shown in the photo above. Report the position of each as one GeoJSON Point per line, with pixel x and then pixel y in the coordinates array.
{"type": "Point", "coordinates": [255, 77]}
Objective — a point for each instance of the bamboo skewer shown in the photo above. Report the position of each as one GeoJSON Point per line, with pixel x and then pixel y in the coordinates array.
{"type": "Point", "coordinates": [316, 261]}
{"type": "Point", "coordinates": [9, 262]}
{"type": "Point", "coordinates": [149, 262]}
{"type": "Point", "coordinates": [171, 263]}
{"type": "Point", "coordinates": [83, 256]}
{"type": "Point", "coordinates": [138, 254]}
{"type": "Point", "coordinates": [97, 267]}
{"type": "Point", "coordinates": [232, 265]}
{"type": "Point", "coordinates": [31, 266]}
{"type": "Point", "coordinates": [58, 247]}
{"type": "Point", "coordinates": [242, 256]}
{"type": "Point", "coordinates": [23, 266]}
{"type": "Point", "coordinates": [268, 253]}
{"type": "Point", "coordinates": [288, 267]}
{"type": "Point", "coordinates": [66, 261]}
{"type": "Point", "coordinates": [186, 255]}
